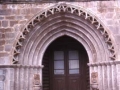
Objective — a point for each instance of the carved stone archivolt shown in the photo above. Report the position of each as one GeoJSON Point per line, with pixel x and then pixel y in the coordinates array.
{"type": "Point", "coordinates": [72, 10]}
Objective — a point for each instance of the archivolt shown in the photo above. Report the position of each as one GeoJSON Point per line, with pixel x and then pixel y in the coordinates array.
{"type": "Point", "coordinates": [70, 22]}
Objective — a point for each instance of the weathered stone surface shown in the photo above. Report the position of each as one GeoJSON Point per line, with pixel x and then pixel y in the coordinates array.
{"type": "Point", "coordinates": [1, 48]}
{"type": "Point", "coordinates": [118, 40]}
{"type": "Point", "coordinates": [5, 11]}
{"type": "Point", "coordinates": [22, 21]}
{"type": "Point", "coordinates": [109, 15]}
{"type": "Point", "coordinates": [2, 42]}
{"type": "Point", "coordinates": [9, 41]}
{"type": "Point", "coordinates": [12, 23]}
{"type": "Point", "coordinates": [5, 23]}
{"type": "Point", "coordinates": [8, 47]}
{"type": "Point", "coordinates": [9, 35]}
{"type": "Point", "coordinates": [25, 11]}
{"type": "Point", "coordinates": [2, 36]}
{"type": "Point", "coordinates": [1, 17]}
{"type": "Point", "coordinates": [0, 23]}
{"type": "Point", "coordinates": [10, 17]}
{"type": "Point", "coordinates": [8, 30]}
{"type": "Point", "coordinates": [2, 61]}
{"type": "Point", "coordinates": [14, 17]}
{"type": "Point", "coordinates": [3, 54]}
{"type": "Point", "coordinates": [114, 29]}
{"type": "Point", "coordinates": [19, 17]}
{"type": "Point", "coordinates": [2, 30]}
{"type": "Point", "coordinates": [118, 68]}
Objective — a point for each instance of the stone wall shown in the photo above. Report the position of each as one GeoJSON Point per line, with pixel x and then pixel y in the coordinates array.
{"type": "Point", "coordinates": [13, 17]}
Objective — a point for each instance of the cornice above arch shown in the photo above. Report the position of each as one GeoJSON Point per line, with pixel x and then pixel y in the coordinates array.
{"type": "Point", "coordinates": [69, 9]}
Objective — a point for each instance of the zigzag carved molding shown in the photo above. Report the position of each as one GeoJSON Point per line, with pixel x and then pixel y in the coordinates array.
{"type": "Point", "coordinates": [70, 9]}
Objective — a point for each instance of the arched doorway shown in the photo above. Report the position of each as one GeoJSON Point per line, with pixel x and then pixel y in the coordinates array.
{"type": "Point", "coordinates": [54, 22]}
{"type": "Point", "coordinates": [65, 65]}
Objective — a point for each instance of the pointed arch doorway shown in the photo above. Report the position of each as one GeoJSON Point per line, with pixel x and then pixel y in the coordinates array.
{"type": "Point", "coordinates": [55, 22]}
{"type": "Point", "coordinates": [65, 65]}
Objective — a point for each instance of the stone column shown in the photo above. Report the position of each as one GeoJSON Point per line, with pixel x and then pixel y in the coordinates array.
{"type": "Point", "coordinates": [20, 77]}
{"type": "Point", "coordinates": [118, 75]}
{"type": "Point", "coordinates": [114, 78]}
{"type": "Point", "coordinates": [2, 79]}
{"type": "Point", "coordinates": [11, 78]}
{"type": "Point", "coordinates": [105, 77]}
{"type": "Point", "coordinates": [109, 74]}
{"type": "Point", "coordinates": [100, 85]}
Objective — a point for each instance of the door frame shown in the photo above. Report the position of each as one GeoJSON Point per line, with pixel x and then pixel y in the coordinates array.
{"type": "Point", "coordinates": [67, 46]}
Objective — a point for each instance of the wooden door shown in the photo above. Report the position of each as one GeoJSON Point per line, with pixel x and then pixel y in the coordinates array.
{"type": "Point", "coordinates": [65, 66]}
{"type": "Point", "coordinates": [69, 70]}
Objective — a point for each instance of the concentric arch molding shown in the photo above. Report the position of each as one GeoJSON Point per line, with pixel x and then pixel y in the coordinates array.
{"type": "Point", "coordinates": [62, 7]}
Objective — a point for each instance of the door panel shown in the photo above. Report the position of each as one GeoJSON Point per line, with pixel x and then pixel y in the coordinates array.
{"type": "Point", "coordinates": [59, 63]}
{"type": "Point", "coordinates": [73, 83]}
{"type": "Point", "coordinates": [66, 70]}
{"type": "Point", "coordinates": [59, 83]}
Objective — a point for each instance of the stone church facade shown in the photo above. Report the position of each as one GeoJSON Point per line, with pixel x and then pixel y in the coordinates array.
{"type": "Point", "coordinates": [27, 30]}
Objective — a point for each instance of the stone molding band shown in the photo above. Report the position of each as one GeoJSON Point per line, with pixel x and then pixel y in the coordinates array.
{"type": "Point", "coordinates": [42, 66]}
{"type": "Point", "coordinates": [103, 63]}
{"type": "Point", "coordinates": [21, 66]}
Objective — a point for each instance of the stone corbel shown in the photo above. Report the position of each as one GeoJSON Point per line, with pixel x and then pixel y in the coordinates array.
{"type": "Point", "coordinates": [94, 81]}
{"type": "Point", "coordinates": [36, 82]}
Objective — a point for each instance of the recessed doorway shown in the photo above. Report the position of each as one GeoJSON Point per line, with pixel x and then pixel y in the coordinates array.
{"type": "Point", "coordinates": [65, 65]}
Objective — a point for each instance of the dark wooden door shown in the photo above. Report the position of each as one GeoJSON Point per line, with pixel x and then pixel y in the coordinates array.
{"type": "Point", "coordinates": [65, 66]}
{"type": "Point", "coordinates": [68, 69]}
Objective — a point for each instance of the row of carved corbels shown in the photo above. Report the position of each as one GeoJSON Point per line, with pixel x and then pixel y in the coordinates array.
{"type": "Point", "coordinates": [104, 63]}
{"type": "Point", "coordinates": [69, 9]}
